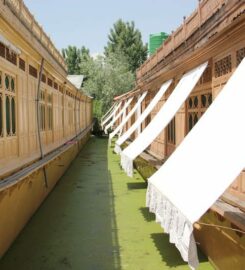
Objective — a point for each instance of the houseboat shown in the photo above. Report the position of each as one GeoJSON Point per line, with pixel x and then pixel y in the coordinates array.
{"type": "Point", "coordinates": [210, 41]}
{"type": "Point", "coordinates": [45, 119]}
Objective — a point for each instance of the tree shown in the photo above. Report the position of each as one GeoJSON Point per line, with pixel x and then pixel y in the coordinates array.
{"type": "Point", "coordinates": [73, 59]}
{"type": "Point", "coordinates": [86, 61]}
{"type": "Point", "coordinates": [125, 39]}
{"type": "Point", "coordinates": [108, 76]}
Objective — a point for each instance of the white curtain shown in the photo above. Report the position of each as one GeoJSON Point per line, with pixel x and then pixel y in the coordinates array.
{"type": "Point", "coordinates": [142, 117]}
{"type": "Point", "coordinates": [10, 45]}
{"type": "Point", "coordinates": [163, 117]}
{"type": "Point", "coordinates": [108, 112]}
{"type": "Point", "coordinates": [118, 115]}
{"type": "Point", "coordinates": [111, 115]}
{"type": "Point", "coordinates": [203, 166]}
{"type": "Point", "coordinates": [138, 114]}
{"type": "Point", "coordinates": [125, 120]}
{"type": "Point", "coordinates": [121, 129]}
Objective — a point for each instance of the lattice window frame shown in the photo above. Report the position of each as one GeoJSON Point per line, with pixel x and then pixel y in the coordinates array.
{"type": "Point", "coordinates": [171, 132]}
{"type": "Point", "coordinates": [49, 111]}
{"type": "Point", "coordinates": [42, 108]}
{"type": "Point", "coordinates": [9, 98]}
{"type": "Point", "coordinates": [196, 105]}
{"type": "Point", "coordinates": [223, 66]}
{"type": "Point", "coordinates": [1, 106]}
{"type": "Point", "coordinates": [240, 54]}
{"type": "Point", "coordinates": [33, 71]}
{"type": "Point", "coordinates": [22, 64]}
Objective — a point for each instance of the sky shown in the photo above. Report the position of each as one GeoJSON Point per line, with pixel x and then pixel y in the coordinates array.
{"type": "Point", "coordinates": [87, 23]}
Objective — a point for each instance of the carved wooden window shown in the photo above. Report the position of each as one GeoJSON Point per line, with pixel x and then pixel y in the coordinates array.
{"type": "Point", "coordinates": [55, 86]}
{"type": "Point", "coordinates": [1, 105]}
{"type": "Point", "coordinates": [50, 82]}
{"type": "Point", "coordinates": [43, 78]}
{"type": "Point", "coordinates": [50, 111]}
{"type": "Point", "coordinates": [1, 115]}
{"type": "Point", "coordinates": [240, 54]}
{"type": "Point", "coordinates": [60, 89]}
{"type": "Point", "coordinates": [147, 120]}
{"type": "Point", "coordinates": [223, 66]}
{"type": "Point", "coordinates": [171, 136]}
{"type": "Point", "coordinates": [2, 50]}
{"type": "Point", "coordinates": [32, 71]}
{"type": "Point", "coordinates": [196, 106]}
{"type": "Point", "coordinates": [10, 105]}
{"type": "Point", "coordinates": [8, 54]}
{"type": "Point", "coordinates": [207, 75]}
{"type": "Point", "coordinates": [42, 111]}
{"type": "Point", "coordinates": [22, 64]}
{"type": "Point", "coordinates": [11, 56]}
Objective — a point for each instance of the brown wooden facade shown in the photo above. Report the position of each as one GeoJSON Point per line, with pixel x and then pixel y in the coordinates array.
{"type": "Point", "coordinates": [215, 32]}
{"type": "Point", "coordinates": [64, 111]}
{"type": "Point", "coordinates": [222, 46]}
{"type": "Point", "coordinates": [44, 118]}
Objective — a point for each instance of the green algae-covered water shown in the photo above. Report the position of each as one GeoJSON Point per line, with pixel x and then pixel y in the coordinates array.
{"type": "Point", "coordinates": [95, 219]}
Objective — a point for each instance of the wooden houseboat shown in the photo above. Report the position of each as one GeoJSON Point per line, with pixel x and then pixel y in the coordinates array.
{"type": "Point", "coordinates": [44, 118]}
{"type": "Point", "coordinates": [213, 33]}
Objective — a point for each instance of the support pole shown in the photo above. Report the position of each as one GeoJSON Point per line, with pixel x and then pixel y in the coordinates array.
{"type": "Point", "coordinates": [38, 120]}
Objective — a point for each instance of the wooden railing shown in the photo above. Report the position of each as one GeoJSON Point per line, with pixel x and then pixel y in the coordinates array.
{"type": "Point", "coordinates": [206, 8]}
{"type": "Point", "coordinates": [21, 11]}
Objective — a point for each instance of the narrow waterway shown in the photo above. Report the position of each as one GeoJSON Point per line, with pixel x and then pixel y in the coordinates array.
{"type": "Point", "coordinates": [95, 219]}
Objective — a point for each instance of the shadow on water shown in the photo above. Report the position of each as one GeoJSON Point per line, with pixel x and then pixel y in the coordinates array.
{"type": "Point", "coordinates": [148, 216]}
{"type": "Point", "coordinates": [169, 252]}
{"type": "Point", "coordinates": [137, 185]}
{"type": "Point", "coordinates": [75, 228]}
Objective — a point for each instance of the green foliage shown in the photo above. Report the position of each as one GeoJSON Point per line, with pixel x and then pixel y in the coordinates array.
{"type": "Point", "coordinates": [111, 74]}
{"type": "Point", "coordinates": [72, 58]}
{"type": "Point", "coordinates": [127, 40]}
{"type": "Point", "coordinates": [108, 77]}
{"type": "Point", "coordinates": [85, 62]}
{"type": "Point", "coordinates": [76, 60]}
{"type": "Point", "coordinates": [97, 108]}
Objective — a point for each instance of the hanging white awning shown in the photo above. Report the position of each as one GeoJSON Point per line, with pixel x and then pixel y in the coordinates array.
{"type": "Point", "coordinates": [161, 120]}
{"type": "Point", "coordinates": [121, 129]}
{"type": "Point", "coordinates": [138, 114]}
{"type": "Point", "coordinates": [118, 115]}
{"type": "Point", "coordinates": [142, 117]}
{"type": "Point", "coordinates": [112, 114]}
{"type": "Point", "coordinates": [8, 44]}
{"type": "Point", "coordinates": [203, 166]}
{"type": "Point", "coordinates": [108, 112]}
{"type": "Point", "coordinates": [125, 120]}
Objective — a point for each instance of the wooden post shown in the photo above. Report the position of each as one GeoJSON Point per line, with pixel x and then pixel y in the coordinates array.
{"type": "Point", "coordinates": [38, 120]}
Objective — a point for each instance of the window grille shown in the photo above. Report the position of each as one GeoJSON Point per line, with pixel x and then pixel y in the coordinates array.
{"type": "Point", "coordinates": [22, 64]}
{"type": "Point", "coordinates": [32, 71]}
{"type": "Point", "coordinates": [223, 66]}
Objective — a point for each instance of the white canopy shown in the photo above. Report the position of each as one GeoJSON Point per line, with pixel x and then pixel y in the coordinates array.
{"type": "Point", "coordinates": [108, 112]}
{"type": "Point", "coordinates": [111, 115]}
{"type": "Point", "coordinates": [142, 117]}
{"type": "Point", "coordinates": [203, 166]}
{"type": "Point", "coordinates": [125, 120]}
{"type": "Point", "coordinates": [118, 115]}
{"type": "Point", "coordinates": [161, 120]}
{"type": "Point", "coordinates": [10, 45]}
